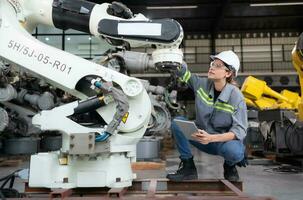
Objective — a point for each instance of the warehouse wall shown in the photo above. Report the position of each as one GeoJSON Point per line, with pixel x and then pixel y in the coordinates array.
{"type": "Point", "coordinates": [258, 53]}
{"type": "Point", "coordinates": [75, 42]}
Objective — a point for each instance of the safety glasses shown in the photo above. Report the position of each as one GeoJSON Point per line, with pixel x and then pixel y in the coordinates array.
{"type": "Point", "coordinates": [218, 66]}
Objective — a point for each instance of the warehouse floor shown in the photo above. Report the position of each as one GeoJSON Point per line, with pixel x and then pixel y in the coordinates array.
{"type": "Point", "coordinates": [258, 180]}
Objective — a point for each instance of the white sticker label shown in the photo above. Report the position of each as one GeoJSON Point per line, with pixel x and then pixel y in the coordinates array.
{"type": "Point", "coordinates": [147, 29]}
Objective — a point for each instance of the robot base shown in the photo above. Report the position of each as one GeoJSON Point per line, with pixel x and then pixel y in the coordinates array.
{"type": "Point", "coordinates": [112, 171]}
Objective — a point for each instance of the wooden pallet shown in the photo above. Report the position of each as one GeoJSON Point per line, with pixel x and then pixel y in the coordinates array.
{"type": "Point", "coordinates": [151, 189]}
{"type": "Point", "coordinates": [10, 162]}
{"type": "Point", "coordinates": [148, 165]}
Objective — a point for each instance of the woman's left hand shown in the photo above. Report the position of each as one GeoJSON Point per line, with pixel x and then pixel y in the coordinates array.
{"type": "Point", "coordinates": [203, 137]}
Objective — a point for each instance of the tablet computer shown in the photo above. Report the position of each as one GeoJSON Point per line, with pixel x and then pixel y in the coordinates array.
{"type": "Point", "coordinates": [187, 127]}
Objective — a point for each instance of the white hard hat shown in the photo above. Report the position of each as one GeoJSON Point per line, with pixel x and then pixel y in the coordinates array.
{"type": "Point", "coordinates": [229, 58]}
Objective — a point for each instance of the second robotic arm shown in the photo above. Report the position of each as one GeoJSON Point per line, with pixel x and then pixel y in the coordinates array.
{"type": "Point", "coordinates": [98, 19]}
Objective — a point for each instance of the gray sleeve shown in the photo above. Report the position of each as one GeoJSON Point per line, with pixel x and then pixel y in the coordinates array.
{"type": "Point", "coordinates": [240, 124]}
{"type": "Point", "coordinates": [192, 80]}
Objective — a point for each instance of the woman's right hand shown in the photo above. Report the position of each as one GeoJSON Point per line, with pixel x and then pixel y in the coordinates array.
{"type": "Point", "coordinates": [202, 136]}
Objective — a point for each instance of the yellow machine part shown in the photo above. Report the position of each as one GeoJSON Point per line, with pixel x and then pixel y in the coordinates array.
{"type": "Point", "coordinates": [265, 103]}
{"type": "Point", "coordinates": [285, 105]}
{"type": "Point", "coordinates": [254, 89]}
{"type": "Point", "coordinates": [249, 102]}
{"type": "Point", "coordinates": [300, 109]}
{"type": "Point", "coordinates": [293, 97]}
{"type": "Point", "coordinates": [297, 61]}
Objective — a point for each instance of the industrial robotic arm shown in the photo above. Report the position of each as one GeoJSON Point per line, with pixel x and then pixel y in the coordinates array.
{"type": "Point", "coordinates": [297, 60]}
{"type": "Point", "coordinates": [100, 20]}
{"type": "Point", "coordinates": [90, 156]}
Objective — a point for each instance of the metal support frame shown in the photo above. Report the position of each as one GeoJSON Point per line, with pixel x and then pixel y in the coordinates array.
{"type": "Point", "coordinates": [218, 23]}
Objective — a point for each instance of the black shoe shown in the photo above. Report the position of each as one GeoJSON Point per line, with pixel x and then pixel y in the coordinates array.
{"type": "Point", "coordinates": [187, 171]}
{"type": "Point", "coordinates": [243, 162]}
{"type": "Point", "coordinates": [230, 172]}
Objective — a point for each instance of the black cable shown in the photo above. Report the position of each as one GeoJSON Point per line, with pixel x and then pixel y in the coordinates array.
{"type": "Point", "coordinates": [9, 192]}
{"type": "Point", "coordinates": [11, 184]}
{"type": "Point", "coordinates": [5, 182]}
{"type": "Point", "coordinates": [6, 177]}
{"type": "Point", "coordinates": [10, 177]}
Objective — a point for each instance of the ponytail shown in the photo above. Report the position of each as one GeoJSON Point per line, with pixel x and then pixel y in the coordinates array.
{"type": "Point", "coordinates": [231, 79]}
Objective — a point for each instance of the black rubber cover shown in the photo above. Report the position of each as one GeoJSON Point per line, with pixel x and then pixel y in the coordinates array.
{"type": "Point", "coordinates": [88, 105]}
{"type": "Point", "coordinates": [74, 14]}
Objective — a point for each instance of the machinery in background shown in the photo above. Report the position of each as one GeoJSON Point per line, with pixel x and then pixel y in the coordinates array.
{"type": "Point", "coordinates": [101, 113]}
{"type": "Point", "coordinates": [280, 119]}
{"type": "Point", "coordinates": [254, 139]}
{"type": "Point", "coordinates": [258, 94]}
{"type": "Point", "coordinates": [21, 97]}
{"type": "Point", "coordinates": [297, 61]}
{"type": "Point", "coordinates": [283, 134]}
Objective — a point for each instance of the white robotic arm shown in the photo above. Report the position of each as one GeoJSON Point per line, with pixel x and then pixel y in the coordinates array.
{"type": "Point", "coordinates": [59, 68]}
{"type": "Point", "coordinates": [98, 19]}
{"type": "Point", "coordinates": [84, 160]}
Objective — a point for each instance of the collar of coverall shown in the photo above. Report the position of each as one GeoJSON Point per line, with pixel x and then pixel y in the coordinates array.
{"type": "Point", "coordinates": [225, 93]}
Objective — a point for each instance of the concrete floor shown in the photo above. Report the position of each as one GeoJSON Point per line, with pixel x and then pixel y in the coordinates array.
{"type": "Point", "coordinates": [258, 180]}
